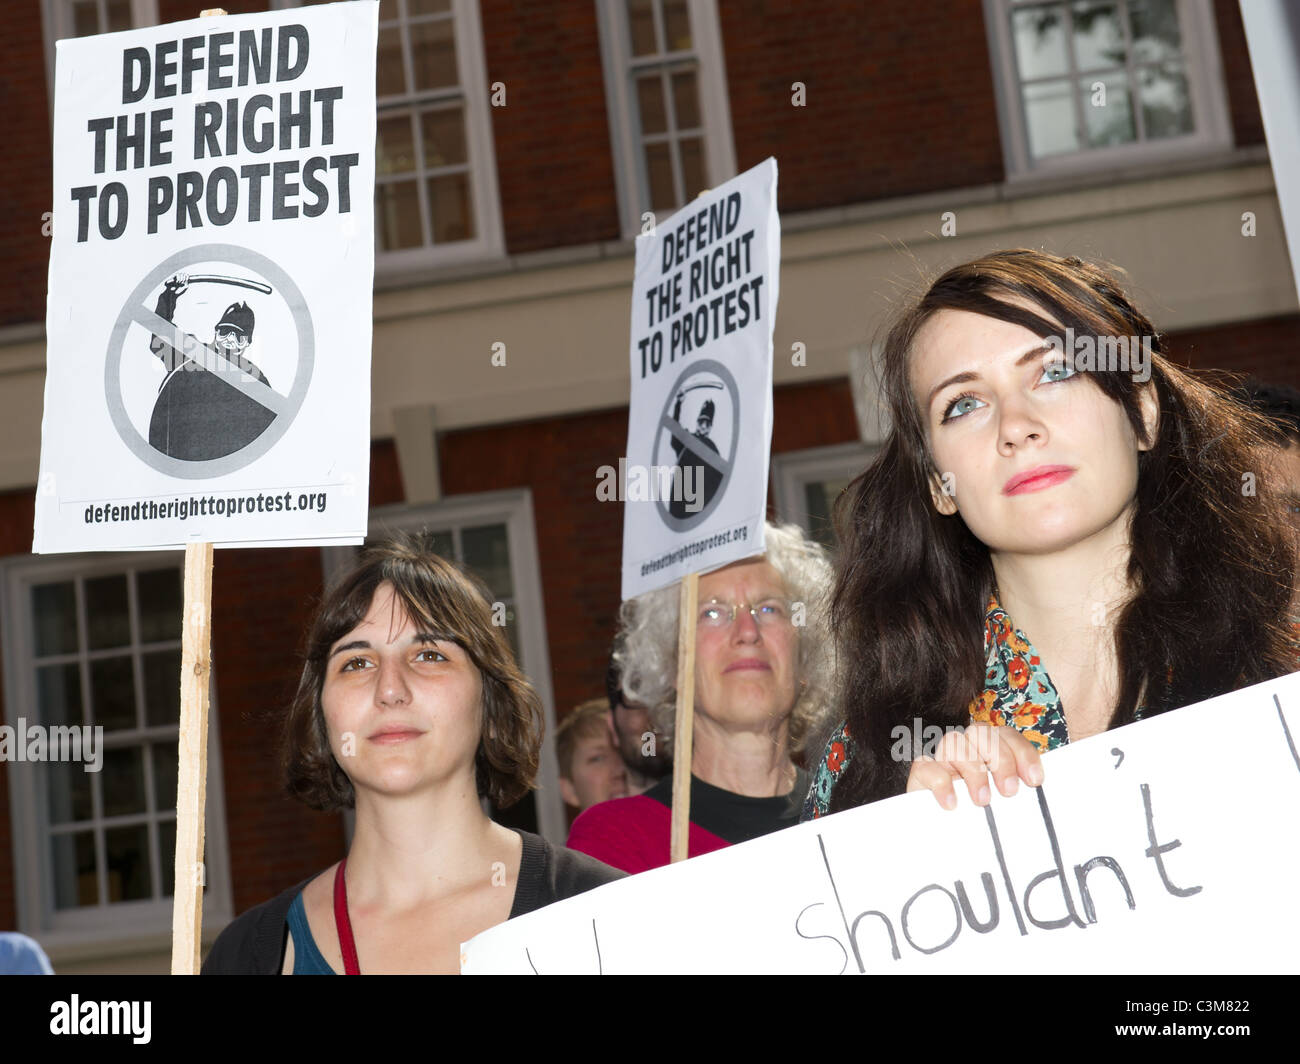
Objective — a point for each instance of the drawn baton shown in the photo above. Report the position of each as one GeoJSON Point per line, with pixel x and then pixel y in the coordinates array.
{"type": "Point", "coordinates": [256, 286]}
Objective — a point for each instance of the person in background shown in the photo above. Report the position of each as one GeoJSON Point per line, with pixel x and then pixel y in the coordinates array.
{"type": "Point", "coordinates": [764, 676]}
{"type": "Point", "coordinates": [1102, 506]}
{"type": "Point", "coordinates": [410, 709]}
{"type": "Point", "coordinates": [645, 753]}
{"type": "Point", "coordinates": [20, 955]}
{"type": "Point", "coordinates": [590, 769]}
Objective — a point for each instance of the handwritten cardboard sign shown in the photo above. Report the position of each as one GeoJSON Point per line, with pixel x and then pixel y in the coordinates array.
{"type": "Point", "coordinates": [1170, 845]}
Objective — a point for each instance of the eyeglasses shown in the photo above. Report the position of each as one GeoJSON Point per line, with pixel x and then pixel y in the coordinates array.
{"type": "Point", "coordinates": [719, 614]}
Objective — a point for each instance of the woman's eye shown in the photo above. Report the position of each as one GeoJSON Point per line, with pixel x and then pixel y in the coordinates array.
{"type": "Point", "coordinates": [429, 654]}
{"type": "Point", "coordinates": [1057, 371]}
{"type": "Point", "coordinates": [963, 404]}
{"type": "Point", "coordinates": [354, 664]}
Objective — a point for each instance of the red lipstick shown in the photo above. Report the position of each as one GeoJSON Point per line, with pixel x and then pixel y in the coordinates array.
{"type": "Point", "coordinates": [1037, 479]}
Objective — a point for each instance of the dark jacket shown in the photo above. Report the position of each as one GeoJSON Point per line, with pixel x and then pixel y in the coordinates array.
{"type": "Point", "coordinates": [254, 943]}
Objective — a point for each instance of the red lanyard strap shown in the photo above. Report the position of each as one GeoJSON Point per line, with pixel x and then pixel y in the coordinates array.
{"type": "Point", "coordinates": [346, 944]}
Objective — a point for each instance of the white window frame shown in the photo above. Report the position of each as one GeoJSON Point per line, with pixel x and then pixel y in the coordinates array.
{"type": "Point", "coordinates": [630, 176]}
{"type": "Point", "coordinates": [514, 509]}
{"type": "Point", "coordinates": [1204, 70]}
{"type": "Point", "coordinates": [794, 470]}
{"type": "Point", "coordinates": [56, 16]}
{"type": "Point", "coordinates": [117, 927]}
{"type": "Point", "coordinates": [474, 93]}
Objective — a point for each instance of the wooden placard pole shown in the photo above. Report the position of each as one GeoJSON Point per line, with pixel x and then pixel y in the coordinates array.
{"type": "Point", "coordinates": [683, 730]}
{"type": "Point", "coordinates": [192, 774]}
{"type": "Point", "coordinates": [192, 748]}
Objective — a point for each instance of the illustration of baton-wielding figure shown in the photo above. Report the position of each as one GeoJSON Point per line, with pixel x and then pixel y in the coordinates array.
{"type": "Point", "coordinates": [688, 457]}
{"type": "Point", "coordinates": [201, 411]}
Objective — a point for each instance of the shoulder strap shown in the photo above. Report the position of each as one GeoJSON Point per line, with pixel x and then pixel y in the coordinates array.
{"type": "Point", "coordinates": [346, 945]}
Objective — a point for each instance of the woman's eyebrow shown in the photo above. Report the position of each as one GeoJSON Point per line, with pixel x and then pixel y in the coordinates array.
{"type": "Point", "coordinates": [970, 375]}
{"type": "Point", "coordinates": [356, 644]}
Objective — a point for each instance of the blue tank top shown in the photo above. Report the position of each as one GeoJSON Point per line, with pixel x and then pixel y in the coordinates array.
{"type": "Point", "coordinates": [307, 959]}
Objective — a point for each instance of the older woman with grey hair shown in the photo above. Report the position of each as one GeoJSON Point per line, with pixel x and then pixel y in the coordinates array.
{"type": "Point", "coordinates": [764, 680]}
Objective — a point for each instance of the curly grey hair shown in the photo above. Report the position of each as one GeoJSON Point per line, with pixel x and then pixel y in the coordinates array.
{"type": "Point", "coordinates": [646, 647]}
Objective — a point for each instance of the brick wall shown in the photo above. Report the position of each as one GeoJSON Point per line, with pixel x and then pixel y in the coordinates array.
{"type": "Point", "coordinates": [28, 174]}
{"type": "Point", "coordinates": [1239, 79]}
{"type": "Point", "coordinates": [554, 163]}
{"type": "Point", "coordinates": [899, 97]}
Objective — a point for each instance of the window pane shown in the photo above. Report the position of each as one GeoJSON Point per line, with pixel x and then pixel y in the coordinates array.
{"type": "Point", "coordinates": [443, 545]}
{"type": "Point", "coordinates": [167, 854]}
{"type": "Point", "coordinates": [1154, 25]}
{"type": "Point", "coordinates": [686, 101]}
{"type": "Point", "coordinates": [394, 145]}
{"type": "Point", "coordinates": [119, 15]}
{"type": "Point", "coordinates": [433, 54]}
{"type": "Point", "coordinates": [68, 788]}
{"type": "Point", "coordinates": [819, 499]}
{"type": "Point", "coordinates": [650, 97]}
{"type": "Point", "coordinates": [54, 611]}
{"type": "Point", "coordinates": [389, 77]}
{"type": "Point", "coordinates": [112, 693]}
{"type": "Point", "coordinates": [677, 26]}
{"type": "Point", "coordinates": [397, 215]}
{"type": "Point", "coordinates": [427, 7]}
{"type": "Point", "coordinates": [164, 775]}
{"type": "Point", "coordinates": [450, 204]}
{"type": "Point", "coordinates": [108, 623]}
{"type": "Point", "coordinates": [85, 18]}
{"type": "Point", "coordinates": [162, 687]}
{"type": "Point", "coordinates": [1098, 38]}
{"type": "Point", "coordinates": [659, 167]}
{"type": "Point", "coordinates": [692, 152]}
{"type": "Point", "coordinates": [641, 23]}
{"type": "Point", "coordinates": [160, 602]}
{"type": "Point", "coordinates": [128, 863]}
{"type": "Point", "coordinates": [444, 137]}
{"type": "Point", "coordinates": [73, 861]}
{"type": "Point", "coordinates": [1039, 33]}
{"type": "Point", "coordinates": [1166, 103]}
{"type": "Point", "coordinates": [58, 695]}
{"type": "Point", "coordinates": [123, 781]}
{"type": "Point", "coordinates": [1049, 118]}
{"type": "Point", "coordinates": [1112, 122]}
{"type": "Point", "coordinates": [486, 551]}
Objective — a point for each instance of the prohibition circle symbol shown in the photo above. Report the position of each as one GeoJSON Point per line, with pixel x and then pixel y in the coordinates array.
{"type": "Point", "coordinates": [723, 465]}
{"type": "Point", "coordinates": [285, 407]}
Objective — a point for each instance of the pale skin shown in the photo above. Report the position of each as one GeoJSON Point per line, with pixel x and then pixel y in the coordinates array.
{"type": "Point", "coordinates": [745, 687]}
{"type": "Point", "coordinates": [427, 869]}
{"type": "Point", "coordinates": [1059, 544]}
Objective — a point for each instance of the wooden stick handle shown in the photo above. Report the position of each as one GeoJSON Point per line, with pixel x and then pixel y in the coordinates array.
{"type": "Point", "coordinates": [192, 775]}
{"type": "Point", "coordinates": [684, 729]}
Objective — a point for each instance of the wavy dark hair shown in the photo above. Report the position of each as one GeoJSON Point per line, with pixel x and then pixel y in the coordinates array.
{"type": "Point", "coordinates": [448, 604]}
{"type": "Point", "coordinates": [1210, 565]}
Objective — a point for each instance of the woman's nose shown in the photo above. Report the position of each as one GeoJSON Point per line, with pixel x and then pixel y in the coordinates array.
{"type": "Point", "coordinates": [392, 689]}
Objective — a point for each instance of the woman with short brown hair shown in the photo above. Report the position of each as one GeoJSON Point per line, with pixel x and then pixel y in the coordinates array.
{"type": "Point", "coordinates": [411, 710]}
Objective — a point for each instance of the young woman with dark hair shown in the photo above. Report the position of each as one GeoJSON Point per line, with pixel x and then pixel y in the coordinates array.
{"type": "Point", "coordinates": [411, 710]}
{"type": "Point", "coordinates": [1046, 463]}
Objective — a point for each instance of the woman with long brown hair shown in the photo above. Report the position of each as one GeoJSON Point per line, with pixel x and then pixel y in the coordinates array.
{"type": "Point", "coordinates": [1054, 494]}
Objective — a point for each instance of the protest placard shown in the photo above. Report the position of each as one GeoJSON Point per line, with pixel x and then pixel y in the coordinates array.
{"type": "Point", "coordinates": [1169, 845]}
{"type": "Point", "coordinates": [208, 319]}
{"type": "Point", "coordinates": [694, 481]}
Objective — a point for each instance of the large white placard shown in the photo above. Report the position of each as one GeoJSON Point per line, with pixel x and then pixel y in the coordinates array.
{"type": "Point", "coordinates": [1170, 845]}
{"type": "Point", "coordinates": [694, 482]}
{"type": "Point", "coordinates": [209, 311]}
